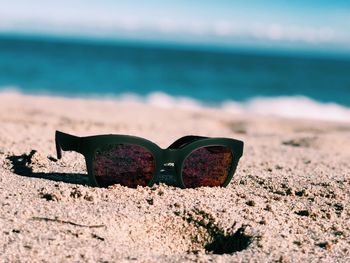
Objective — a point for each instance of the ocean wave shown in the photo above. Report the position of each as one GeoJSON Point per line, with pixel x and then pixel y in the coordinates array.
{"type": "Point", "coordinates": [292, 107]}
{"type": "Point", "coordinates": [282, 106]}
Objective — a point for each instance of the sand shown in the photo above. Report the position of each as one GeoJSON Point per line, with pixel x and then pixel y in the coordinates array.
{"type": "Point", "coordinates": [288, 202]}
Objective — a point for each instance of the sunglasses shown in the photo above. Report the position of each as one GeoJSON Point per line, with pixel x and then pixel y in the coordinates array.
{"type": "Point", "coordinates": [131, 161]}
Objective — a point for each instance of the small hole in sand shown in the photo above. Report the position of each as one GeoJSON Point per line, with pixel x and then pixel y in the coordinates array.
{"type": "Point", "coordinates": [228, 244]}
{"type": "Point", "coordinates": [219, 241]}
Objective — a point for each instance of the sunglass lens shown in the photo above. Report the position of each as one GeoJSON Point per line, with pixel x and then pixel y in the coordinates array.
{"type": "Point", "coordinates": [126, 164]}
{"type": "Point", "coordinates": [207, 166]}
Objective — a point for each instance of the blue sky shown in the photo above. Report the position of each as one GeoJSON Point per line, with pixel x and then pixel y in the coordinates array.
{"type": "Point", "coordinates": [295, 25]}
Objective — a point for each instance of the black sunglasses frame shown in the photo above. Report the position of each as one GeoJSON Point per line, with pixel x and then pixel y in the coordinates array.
{"type": "Point", "coordinates": [176, 153]}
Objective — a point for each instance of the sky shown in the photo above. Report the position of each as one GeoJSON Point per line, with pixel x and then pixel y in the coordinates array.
{"type": "Point", "coordinates": [291, 25]}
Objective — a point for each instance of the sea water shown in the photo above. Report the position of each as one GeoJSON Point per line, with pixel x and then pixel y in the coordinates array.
{"type": "Point", "coordinates": [178, 75]}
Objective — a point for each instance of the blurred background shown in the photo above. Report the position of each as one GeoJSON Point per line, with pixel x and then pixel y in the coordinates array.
{"type": "Point", "coordinates": [238, 55]}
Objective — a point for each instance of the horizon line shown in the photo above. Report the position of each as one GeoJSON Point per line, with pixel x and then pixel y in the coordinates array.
{"type": "Point", "coordinates": [242, 48]}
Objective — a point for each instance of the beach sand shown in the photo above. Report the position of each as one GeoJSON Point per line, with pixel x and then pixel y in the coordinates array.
{"type": "Point", "coordinates": [288, 201]}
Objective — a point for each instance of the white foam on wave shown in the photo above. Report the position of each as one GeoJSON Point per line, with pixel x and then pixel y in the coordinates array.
{"type": "Point", "coordinates": [162, 100]}
{"type": "Point", "coordinates": [289, 107]}
{"type": "Point", "coordinates": [284, 106]}
{"type": "Point", "coordinates": [9, 90]}
{"type": "Point", "coordinates": [165, 101]}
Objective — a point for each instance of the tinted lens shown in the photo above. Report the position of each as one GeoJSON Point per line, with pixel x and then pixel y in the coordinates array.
{"type": "Point", "coordinates": [207, 166]}
{"type": "Point", "coordinates": [126, 164]}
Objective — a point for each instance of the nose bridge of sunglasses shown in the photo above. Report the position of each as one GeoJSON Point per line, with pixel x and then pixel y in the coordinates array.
{"type": "Point", "coordinates": [167, 171]}
{"type": "Point", "coordinates": [169, 157]}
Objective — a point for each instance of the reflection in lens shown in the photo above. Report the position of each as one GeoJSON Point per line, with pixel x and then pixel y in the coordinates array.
{"type": "Point", "coordinates": [126, 164]}
{"type": "Point", "coordinates": [207, 166]}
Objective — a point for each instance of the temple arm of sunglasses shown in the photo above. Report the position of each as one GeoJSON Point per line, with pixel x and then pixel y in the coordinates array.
{"type": "Point", "coordinates": [66, 142]}
{"type": "Point", "coordinates": [184, 141]}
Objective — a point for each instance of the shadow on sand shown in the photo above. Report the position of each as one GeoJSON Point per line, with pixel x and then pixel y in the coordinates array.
{"type": "Point", "coordinates": [21, 165]}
